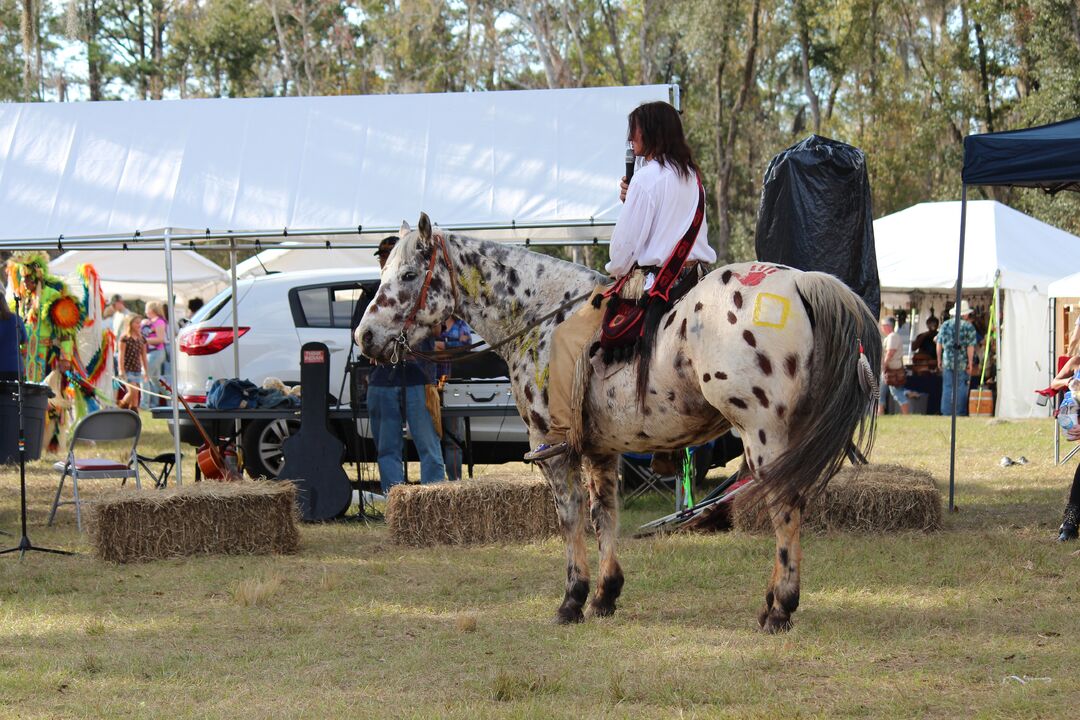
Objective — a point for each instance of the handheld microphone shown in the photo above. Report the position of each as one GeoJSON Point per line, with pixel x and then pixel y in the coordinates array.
{"type": "Point", "coordinates": [629, 162]}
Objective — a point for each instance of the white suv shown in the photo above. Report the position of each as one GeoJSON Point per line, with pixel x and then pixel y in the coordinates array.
{"type": "Point", "coordinates": [278, 313]}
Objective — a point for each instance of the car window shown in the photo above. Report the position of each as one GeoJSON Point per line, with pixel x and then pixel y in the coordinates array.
{"type": "Point", "coordinates": [343, 300]}
{"type": "Point", "coordinates": [315, 304]}
{"type": "Point", "coordinates": [211, 308]}
{"type": "Point", "coordinates": [327, 306]}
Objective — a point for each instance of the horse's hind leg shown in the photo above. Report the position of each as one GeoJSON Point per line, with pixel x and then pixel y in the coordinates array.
{"type": "Point", "coordinates": [564, 475]}
{"type": "Point", "coordinates": [782, 596]}
{"type": "Point", "coordinates": [600, 474]}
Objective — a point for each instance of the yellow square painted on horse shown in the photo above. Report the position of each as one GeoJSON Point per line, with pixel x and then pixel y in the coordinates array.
{"type": "Point", "coordinates": [771, 310]}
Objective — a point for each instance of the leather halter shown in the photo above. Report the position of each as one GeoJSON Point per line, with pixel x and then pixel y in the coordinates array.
{"type": "Point", "coordinates": [440, 244]}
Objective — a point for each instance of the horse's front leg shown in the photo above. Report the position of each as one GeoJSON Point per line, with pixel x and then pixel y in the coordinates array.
{"type": "Point", "coordinates": [782, 596]}
{"type": "Point", "coordinates": [564, 475]}
{"type": "Point", "coordinates": [600, 474]}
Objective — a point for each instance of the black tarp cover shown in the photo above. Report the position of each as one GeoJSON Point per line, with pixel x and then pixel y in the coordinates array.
{"type": "Point", "coordinates": [816, 214]}
{"type": "Point", "coordinates": [1047, 157]}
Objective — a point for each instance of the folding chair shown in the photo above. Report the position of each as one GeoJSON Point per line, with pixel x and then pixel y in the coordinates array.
{"type": "Point", "coordinates": [109, 425]}
{"type": "Point", "coordinates": [636, 477]}
{"type": "Point", "coordinates": [166, 462]}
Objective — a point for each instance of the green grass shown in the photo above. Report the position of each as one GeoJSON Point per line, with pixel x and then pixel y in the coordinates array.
{"type": "Point", "coordinates": [897, 626]}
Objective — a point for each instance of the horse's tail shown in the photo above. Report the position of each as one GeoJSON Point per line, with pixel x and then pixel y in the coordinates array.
{"type": "Point", "coordinates": [836, 412]}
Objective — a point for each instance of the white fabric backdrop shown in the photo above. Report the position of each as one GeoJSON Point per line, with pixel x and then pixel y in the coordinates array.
{"type": "Point", "coordinates": [314, 162]}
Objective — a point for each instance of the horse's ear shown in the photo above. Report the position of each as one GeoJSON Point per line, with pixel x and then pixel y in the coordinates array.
{"type": "Point", "coordinates": [424, 226]}
{"type": "Point", "coordinates": [405, 229]}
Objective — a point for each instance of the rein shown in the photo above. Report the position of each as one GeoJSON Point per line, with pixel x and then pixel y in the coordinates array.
{"type": "Point", "coordinates": [401, 344]}
{"type": "Point", "coordinates": [466, 353]}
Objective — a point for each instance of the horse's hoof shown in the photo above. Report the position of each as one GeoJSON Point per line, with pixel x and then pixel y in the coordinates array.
{"type": "Point", "coordinates": [601, 608]}
{"type": "Point", "coordinates": [774, 622]}
{"type": "Point", "coordinates": [569, 615]}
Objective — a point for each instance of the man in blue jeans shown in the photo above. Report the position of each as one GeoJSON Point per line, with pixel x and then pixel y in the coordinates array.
{"type": "Point", "coordinates": [956, 357]}
{"type": "Point", "coordinates": [396, 392]}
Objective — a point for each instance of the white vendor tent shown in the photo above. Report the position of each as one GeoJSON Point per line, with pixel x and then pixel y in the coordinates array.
{"type": "Point", "coordinates": [141, 273]}
{"type": "Point", "coordinates": [550, 157]}
{"type": "Point", "coordinates": [915, 251]}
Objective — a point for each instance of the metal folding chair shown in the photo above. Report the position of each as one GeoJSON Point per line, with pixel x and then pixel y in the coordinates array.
{"type": "Point", "coordinates": [635, 470]}
{"type": "Point", "coordinates": [109, 425]}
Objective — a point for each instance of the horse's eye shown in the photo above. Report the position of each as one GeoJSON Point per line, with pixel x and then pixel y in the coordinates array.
{"type": "Point", "coordinates": [409, 276]}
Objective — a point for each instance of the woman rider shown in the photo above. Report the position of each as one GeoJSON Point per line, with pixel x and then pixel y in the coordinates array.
{"type": "Point", "coordinates": [660, 203]}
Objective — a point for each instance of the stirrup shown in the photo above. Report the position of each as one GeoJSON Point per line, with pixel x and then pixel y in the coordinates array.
{"type": "Point", "coordinates": [543, 451]}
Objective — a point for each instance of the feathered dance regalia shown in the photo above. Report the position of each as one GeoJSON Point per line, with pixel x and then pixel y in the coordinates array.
{"type": "Point", "coordinates": [66, 335]}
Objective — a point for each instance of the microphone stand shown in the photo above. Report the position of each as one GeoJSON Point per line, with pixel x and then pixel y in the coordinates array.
{"type": "Point", "coordinates": [355, 440]}
{"type": "Point", "coordinates": [24, 542]}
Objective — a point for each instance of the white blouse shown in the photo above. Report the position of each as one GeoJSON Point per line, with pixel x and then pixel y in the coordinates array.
{"type": "Point", "coordinates": [659, 209]}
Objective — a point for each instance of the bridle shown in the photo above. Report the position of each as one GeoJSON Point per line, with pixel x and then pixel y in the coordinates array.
{"type": "Point", "coordinates": [401, 343]}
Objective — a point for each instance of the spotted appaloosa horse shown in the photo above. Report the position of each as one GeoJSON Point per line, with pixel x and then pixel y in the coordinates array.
{"type": "Point", "coordinates": [769, 350]}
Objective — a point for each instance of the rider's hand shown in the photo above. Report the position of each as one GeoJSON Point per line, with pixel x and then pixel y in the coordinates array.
{"type": "Point", "coordinates": [623, 185]}
{"type": "Point", "coordinates": [1073, 433]}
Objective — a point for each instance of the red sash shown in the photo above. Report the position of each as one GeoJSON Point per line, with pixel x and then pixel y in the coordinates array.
{"type": "Point", "coordinates": [624, 320]}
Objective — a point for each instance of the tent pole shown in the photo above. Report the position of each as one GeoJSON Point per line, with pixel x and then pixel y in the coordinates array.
{"type": "Point", "coordinates": [1052, 372]}
{"type": "Point", "coordinates": [956, 347]}
{"type": "Point", "coordinates": [235, 328]}
{"type": "Point", "coordinates": [172, 350]}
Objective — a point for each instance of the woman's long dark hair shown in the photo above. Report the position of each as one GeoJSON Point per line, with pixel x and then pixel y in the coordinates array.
{"type": "Point", "coordinates": [5, 311]}
{"type": "Point", "coordinates": [662, 136]}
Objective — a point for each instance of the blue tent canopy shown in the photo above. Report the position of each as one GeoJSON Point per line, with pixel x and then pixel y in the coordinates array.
{"type": "Point", "coordinates": [1046, 157]}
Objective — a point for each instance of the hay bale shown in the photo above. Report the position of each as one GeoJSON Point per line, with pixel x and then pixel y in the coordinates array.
{"type": "Point", "coordinates": [870, 498]}
{"type": "Point", "coordinates": [237, 518]}
{"type": "Point", "coordinates": [472, 512]}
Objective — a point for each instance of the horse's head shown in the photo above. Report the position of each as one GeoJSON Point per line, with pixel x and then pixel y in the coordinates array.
{"type": "Point", "coordinates": [418, 291]}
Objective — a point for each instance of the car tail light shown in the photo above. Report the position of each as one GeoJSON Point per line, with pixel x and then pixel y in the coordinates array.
{"type": "Point", "coordinates": [207, 340]}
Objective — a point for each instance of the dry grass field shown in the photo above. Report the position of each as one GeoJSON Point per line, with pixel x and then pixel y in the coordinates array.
{"type": "Point", "coordinates": [979, 620]}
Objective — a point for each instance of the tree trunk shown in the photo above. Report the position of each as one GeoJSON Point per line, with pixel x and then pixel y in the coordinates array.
{"type": "Point", "coordinates": [283, 44]}
{"type": "Point", "coordinates": [613, 35]}
{"type": "Point", "coordinates": [804, 55]}
{"type": "Point", "coordinates": [157, 49]}
{"type": "Point", "coordinates": [28, 28]}
{"type": "Point", "coordinates": [93, 50]}
{"type": "Point", "coordinates": [725, 139]}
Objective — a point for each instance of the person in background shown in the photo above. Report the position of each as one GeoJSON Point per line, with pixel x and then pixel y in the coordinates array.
{"type": "Point", "coordinates": [118, 315]}
{"type": "Point", "coordinates": [397, 392]}
{"type": "Point", "coordinates": [193, 306]}
{"type": "Point", "coordinates": [1070, 521]}
{"type": "Point", "coordinates": [924, 349]}
{"type": "Point", "coordinates": [12, 335]}
{"type": "Point", "coordinates": [134, 363]}
{"type": "Point", "coordinates": [153, 329]}
{"type": "Point", "coordinates": [454, 333]}
{"type": "Point", "coordinates": [892, 367]}
{"type": "Point", "coordinates": [956, 342]}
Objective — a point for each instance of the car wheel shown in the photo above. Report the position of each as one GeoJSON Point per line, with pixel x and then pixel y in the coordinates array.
{"type": "Point", "coordinates": [263, 441]}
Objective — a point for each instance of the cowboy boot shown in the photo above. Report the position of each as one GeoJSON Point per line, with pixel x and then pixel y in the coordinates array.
{"type": "Point", "coordinates": [1069, 524]}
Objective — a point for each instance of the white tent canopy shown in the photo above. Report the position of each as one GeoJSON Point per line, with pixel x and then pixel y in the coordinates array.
{"type": "Point", "coordinates": [915, 248]}
{"type": "Point", "coordinates": [287, 259]}
{"type": "Point", "coordinates": [264, 164]}
{"type": "Point", "coordinates": [1066, 287]}
{"type": "Point", "coordinates": [141, 273]}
